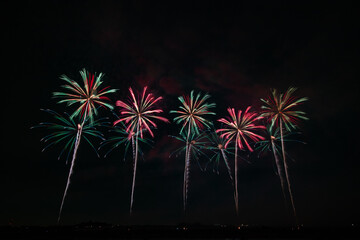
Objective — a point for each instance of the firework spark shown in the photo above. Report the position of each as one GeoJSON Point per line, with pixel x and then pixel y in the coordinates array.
{"type": "Point", "coordinates": [138, 115]}
{"type": "Point", "coordinates": [219, 151]}
{"type": "Point", "coordinates": [279, 109]}
{"type": "Point", "coordinates": [121, 137]}
{"type": "Point", "coordinates": [88, 97]}
{"type": "Point", "coordinates": [240, 127]}
{"type": "Point", "coordinates": [67, 132]}
{"type": "Point", "coordinates": [192, 112]}
{"type": "Point", "coordinates": [197, 145]}
{"type": "Point", "coordinates": [272, 144]}
{"type": "Point", "coordinates": [195, 148]}
{"type": "Point", "coordinates": [192, 116]}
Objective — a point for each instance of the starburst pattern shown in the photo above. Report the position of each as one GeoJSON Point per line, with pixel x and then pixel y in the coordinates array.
{"type": "Point", "coordinates": [140, 113]}
{"type": "Point", "coordinates": [193, 111]}
{"type": "Point", "coordinates": [240, 127]}
{"type": "Point", "coordinates": [88, 97]}
{"type": "Point", "coordinates": [280, 108]}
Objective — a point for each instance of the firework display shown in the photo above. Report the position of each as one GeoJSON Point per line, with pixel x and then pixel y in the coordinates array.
{"type": "Point", "coordinates": [89, 98]}
{"type": "Point", "coordinates": [192, 116]}
{"type": "Point", "coordinates": [239, 128]}
{"type": "Point", "coordinates": [138, 116]}
{"type": "Point", "coordinates": [279, 110]}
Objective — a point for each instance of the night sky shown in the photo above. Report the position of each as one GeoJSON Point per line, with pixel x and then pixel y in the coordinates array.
{"type": "Point", "coordinates": [234, 52]}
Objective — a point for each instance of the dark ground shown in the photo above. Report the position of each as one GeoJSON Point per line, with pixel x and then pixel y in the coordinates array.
{"type": "Point", "coordinates": [105, 231]}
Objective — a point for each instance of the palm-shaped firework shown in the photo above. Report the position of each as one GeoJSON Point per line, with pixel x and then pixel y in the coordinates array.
{"type": "Point", "coordinates": [219, 152]}
{"type": "Point", "coordinates": [279, 109]}
{"type": "Point", "coordinates": [89, 98]}
{"type": "Point", "coordinates": [192, 115]}
{"type": "Point", "coordinates": [65, 131]}
{"type": "Point", "coordinates": [138, 115]}
{"type": "Point", "coordinates": [239, 127]}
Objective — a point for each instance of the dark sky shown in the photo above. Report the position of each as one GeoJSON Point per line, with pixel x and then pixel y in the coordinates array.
{"type": "Point", "coordinates": [234, 52]}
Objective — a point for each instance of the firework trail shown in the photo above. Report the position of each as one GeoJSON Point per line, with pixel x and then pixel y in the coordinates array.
{"type": "Point", "coordinates": [272, 143]}
{"type": "Point", "coordinates": [191, 115]}
{"type": "Point", "coordinates": [69, 133]}
{"type": "Point", "coordinates": [88, 98]}
{"type": "Point", "coordinates": [138, 115]}
{"type": "Point", "coordinates": [197, 144]}
{"type": "Point", "coordinates": [278, 108]}
{"type": "Point", "coordinates": [195, 148]}
{"type": "Point", "coordinates": [219, 150]}
{"type": "Point", "coordinates": [239, 127]}
{"type": "Point", "coordinates": [119, 137]}
{"type": "Point", "coordinates": [77, 142]}
{"type": "Point", "coordinates": [279, 166]}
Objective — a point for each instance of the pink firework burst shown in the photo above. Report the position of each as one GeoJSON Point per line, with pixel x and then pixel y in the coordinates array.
{"type": "Point", "coordinates": [239, 129]}
{"type": "Point", "coordinates": [138, 116]}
